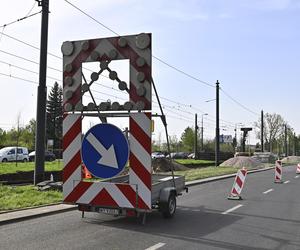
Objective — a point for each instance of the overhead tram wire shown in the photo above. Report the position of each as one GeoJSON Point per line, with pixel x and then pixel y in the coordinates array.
{"type": "Point", "coordinates": [27, 70]}
{"type": "Point", "coordinates": [238, 103]}
{"type": "Point", "coordinates": [20, 19]}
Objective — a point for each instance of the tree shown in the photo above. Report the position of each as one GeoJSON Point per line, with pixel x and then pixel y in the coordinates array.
{"type": "Point", "coordinates": [54, 118]}
{"type": "Point", "coordinates": [187, 139]}
{"type": "Point", "coordinates": [273, 129]}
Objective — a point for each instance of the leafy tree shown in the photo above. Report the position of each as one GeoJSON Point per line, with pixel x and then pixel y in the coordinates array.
{"type": "Point", "coordinates": [273, 129]}
{"type": "Point", "coordinates": [54, 117]}
{"type": "Point", "coordinates": [187, 139]}
{"type": "Point", "coordinates": [2, 137]}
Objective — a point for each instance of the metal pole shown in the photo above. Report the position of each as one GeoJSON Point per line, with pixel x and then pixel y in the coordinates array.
{"type": "Point", "coordinates": [217, 150]}
{"type": "Point", "coordinates": [41, 98]}
{"type": "Point", "coordinates": [262, 131]}
{"type": "Point", "coordinates": [294, 144]}
{"type": "Point", "coordinates": [285, 140]}
{"type": "Point", "coordinates": [202, 133]}
{"type": "Point", "coordinates": [195, 139]}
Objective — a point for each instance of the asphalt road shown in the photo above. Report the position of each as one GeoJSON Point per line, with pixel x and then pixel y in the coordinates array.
{"type": "Point", "coordinates": [267, 218]}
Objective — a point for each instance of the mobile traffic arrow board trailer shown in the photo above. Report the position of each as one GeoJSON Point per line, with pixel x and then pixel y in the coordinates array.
{"type": "Point", "coordinates": [104, 150]}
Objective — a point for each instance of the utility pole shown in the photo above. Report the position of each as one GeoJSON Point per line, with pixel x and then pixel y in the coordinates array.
{"type": "Point", "coordinates": [294, 144]}
{"type": "Point", "coordinates": [202, 131]}
{"type": "Point", "coordinates": [262, 131]}
{"type": "Point", "coordinates": [217, 146]}
{"type": "Point", "coordinates": [195, 139]}
{"type": "Point", "coordinates": [285, 140]}
{"type": "Point", "coordinates": [41, 97]}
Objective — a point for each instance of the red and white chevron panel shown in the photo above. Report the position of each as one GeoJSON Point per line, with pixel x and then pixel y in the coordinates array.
{"type": "Point", "coordinates": [278, 171]}
{"type": "Point", "coordinates": [239, 182]}
{"type": "Point", "coordinates": [136, 48]}
{"type": "Point", "coordinates": [298, 169]}
{"type": "Point", "coordinates": [136, 194]}
{"type": "Point", "coordinates": [140, 157]}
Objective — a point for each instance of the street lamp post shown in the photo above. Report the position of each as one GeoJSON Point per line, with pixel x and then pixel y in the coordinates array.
{"type": "Point", "coordinates": [202, 130]}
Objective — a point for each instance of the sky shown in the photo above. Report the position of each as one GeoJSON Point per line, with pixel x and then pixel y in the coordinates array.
{"type": "Point", "coordinates": [250, 46]}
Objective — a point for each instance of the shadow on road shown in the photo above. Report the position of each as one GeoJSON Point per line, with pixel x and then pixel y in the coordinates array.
{"type": "Point", "coordinates": [187, 225]}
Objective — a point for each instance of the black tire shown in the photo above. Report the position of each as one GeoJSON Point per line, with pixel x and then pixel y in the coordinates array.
{"type": "Point", "coordinates": [4, 160]}
{"type": "Point", "coordinates": [169, 210]}
{"type": "Point", "coordinates": [25, 160]}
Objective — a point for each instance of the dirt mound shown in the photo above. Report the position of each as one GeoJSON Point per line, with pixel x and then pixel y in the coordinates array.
{"type": "Point", "coordinates": [291, 159]}
{"type": "Point", "coordinates": [242, 161]}
{"type": "Point", "coordinates": [165, 165]}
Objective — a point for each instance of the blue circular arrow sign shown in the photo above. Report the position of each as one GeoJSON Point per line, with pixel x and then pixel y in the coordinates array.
{"type": "Point", "coordinates": [104, 150]}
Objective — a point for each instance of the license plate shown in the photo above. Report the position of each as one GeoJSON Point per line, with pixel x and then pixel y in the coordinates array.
{"type": "Point", "coordinates": [109, 211]}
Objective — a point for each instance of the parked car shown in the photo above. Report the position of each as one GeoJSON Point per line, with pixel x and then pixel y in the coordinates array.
{"type": "Point", "coordinates": [14, 154]}
{"type": "Point", "coordinates": [156, 155]}
{"type": "Point", "coordinates": [49, 156]}
{"type": "Point", "coordinates": [179, 155]}
{"type": "Point", "coordinates": [191, 156]}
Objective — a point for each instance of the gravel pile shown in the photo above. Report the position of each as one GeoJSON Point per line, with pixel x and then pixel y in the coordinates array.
{"type": "Point", "coordinates": [242, 161]}
{"type": "Point", "coordinates": [291, 159]}
{"type": "Point", "coordinates": [165, 165]}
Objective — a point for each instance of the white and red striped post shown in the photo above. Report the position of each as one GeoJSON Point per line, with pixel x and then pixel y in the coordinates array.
{"type": "Point", "coordinates": [238, 184]}
{"type": "Point", "coordinates": [298, 169]}
{"type": "Point", "coordinates": [278, 172]}
{"type": "Point", "coordinates": [137, 193]}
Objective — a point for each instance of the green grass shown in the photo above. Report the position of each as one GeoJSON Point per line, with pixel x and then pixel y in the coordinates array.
{"type": "Point", "coordinates": [26, 196]}
{"type": "Point", "coordinates": [194, 162]}
{"type": "Point", "coordinates": [201, 173]}
{"type": "Point", "coordinates": [10, 168]}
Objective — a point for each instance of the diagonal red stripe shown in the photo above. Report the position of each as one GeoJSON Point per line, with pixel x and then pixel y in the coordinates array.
{"type": "Point", "coordinates": [239, 182]}
{"type": "Point", "coordinates": [140, 170]}
{"type": "Point", "coordinates": [278, 170]}
{"type": "Point", "coordinates": [81, 57]}
{"type": "Point", "coordinates": [78, 191]}
{"type": "Point", "coordinates": [140, 135]}
{"type": "Point", "coordinates": [129, 53]}
{"type": "Point", "coordinates": [234, 191]}
{"type": "Point", "coordinates": [71, 166]}
{"type": "Point", "coordinates": [71, 134]}
{"type": "Point", "coordinates": [129, 193]}
{"type": "Point", "coordinates": [76, 97]}
{"type": "Point", "coordinates": [103, 198]}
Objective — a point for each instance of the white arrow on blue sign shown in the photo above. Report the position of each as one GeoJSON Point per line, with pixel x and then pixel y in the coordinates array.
{"type": "Point", "coordinates": [104, 150]}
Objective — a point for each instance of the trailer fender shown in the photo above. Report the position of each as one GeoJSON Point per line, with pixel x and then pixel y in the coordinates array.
{"type": "Point", "coordinates": [165, 194]}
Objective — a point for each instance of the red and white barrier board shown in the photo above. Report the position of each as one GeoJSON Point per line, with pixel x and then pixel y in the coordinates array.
{"type": "Point", "coordinates": [278, 171]}
{"type": "Point", "coordinates": [298, 169]}
{"type": "Point", "coordinates": [238, 185]}
{"type": "Point", "coordinates": [137, 193]}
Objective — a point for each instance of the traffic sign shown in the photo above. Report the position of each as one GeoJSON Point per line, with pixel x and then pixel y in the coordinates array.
{"type": "Point", "coordinates": [104, 150]}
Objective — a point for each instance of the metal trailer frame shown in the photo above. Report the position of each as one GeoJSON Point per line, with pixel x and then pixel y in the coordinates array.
{"type": "Point", "coordinates": [140, 191]}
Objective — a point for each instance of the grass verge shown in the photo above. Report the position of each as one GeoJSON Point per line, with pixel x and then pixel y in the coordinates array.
{"type": "Point", "coordinates": [201, 173]}
{"type": "Point", "coordinates": [194, 162]}
{"type": "Point", "coordinates": [11, 168]}
{"type": "Point", "coordinates": [16, 197]}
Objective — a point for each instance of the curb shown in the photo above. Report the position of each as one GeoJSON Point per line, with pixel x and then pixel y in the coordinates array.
{"type": "Point", "coordinates": [17, 218]}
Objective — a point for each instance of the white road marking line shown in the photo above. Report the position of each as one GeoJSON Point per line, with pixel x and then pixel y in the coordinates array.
{"type": "Point", "coordinates": [184, 208]}
{"type": "Point", "coordinates": [232, 209]}
{"type": "Point", "coordinates": [156, 246]}
{"type": "Point", "coordinates": [297, 176]}
{"type": "Point", "coordinates": [196, 210]}
{"type": "Point", "coordinates": [286, 182]}
{"type": "Point", "coordinates": [268, 191]}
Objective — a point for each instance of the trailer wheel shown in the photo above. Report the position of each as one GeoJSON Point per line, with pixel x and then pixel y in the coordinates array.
{"type": "Point", "coordinates": [169, 209]}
